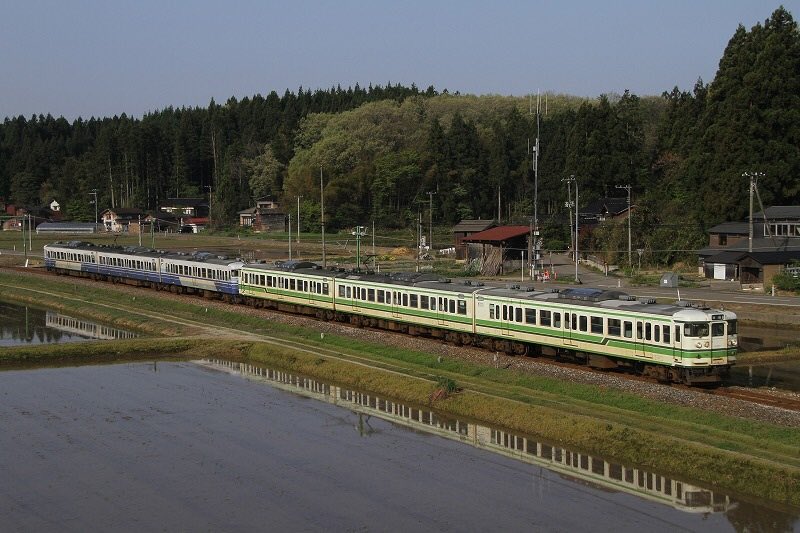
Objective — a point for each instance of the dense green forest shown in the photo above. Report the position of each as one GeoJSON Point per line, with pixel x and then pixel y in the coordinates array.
{"type": "Point", "coordinates": [381, 149]}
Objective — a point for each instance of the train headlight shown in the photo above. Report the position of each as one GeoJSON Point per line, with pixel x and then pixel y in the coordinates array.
{"type": "Point", "coordinates": [731, 342]}
{"type": "Point", "coordinates": [706, 344]}
{"type": "Point", "coordinates": [699, 344]}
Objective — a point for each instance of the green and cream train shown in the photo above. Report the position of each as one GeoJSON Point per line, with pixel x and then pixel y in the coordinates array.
{"type": "Point", "coordinates": [602, 328]}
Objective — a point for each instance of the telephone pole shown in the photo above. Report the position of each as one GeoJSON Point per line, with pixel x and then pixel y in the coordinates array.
{"type": "Point", "coordinates": [570, 180]}
{"type": "Point", "coordinates": [430, 222]}
{"type": "Point", "coordinates": [628, 188]}
{"type": "Point", "coordinates": [753, 181]}
{"type": "Point", "coordinates": [298, 224]}
{"type": "Point", "coordinates": [322, 216]}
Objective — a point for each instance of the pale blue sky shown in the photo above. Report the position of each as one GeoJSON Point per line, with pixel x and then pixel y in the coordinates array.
{"type": "Point", "coordinates": [101, 58]}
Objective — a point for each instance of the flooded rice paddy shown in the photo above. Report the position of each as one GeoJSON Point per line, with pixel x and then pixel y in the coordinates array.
{"type": "Point", "coordinates": [26, 325]}
{"type": "Point", "coordinates": [215, 445]}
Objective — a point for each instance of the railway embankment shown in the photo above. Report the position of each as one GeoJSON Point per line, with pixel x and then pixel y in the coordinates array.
{"type": "Point", "coordinates": [733, 445]}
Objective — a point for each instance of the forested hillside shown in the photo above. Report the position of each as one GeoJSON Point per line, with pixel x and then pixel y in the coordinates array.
{"type": "Point", "coordinates": [380, 150]}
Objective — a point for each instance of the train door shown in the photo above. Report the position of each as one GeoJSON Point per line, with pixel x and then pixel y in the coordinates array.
{"type": "Point", "coordinates": [570, 325]}
{"type": "Point", "coordinates": [719, 340]}
{"type": "Point", "coordinates": [506, 313]}
{"type": "Point", "coordinates": [395, 297]}
{"type": "Point", "coordinates": [441, 310]}
{"type": "Point", "coordinates": [644, 334]}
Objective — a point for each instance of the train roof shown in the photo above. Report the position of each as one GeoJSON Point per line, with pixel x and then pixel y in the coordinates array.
{"type": "Point", "coordinates": [141, 251]}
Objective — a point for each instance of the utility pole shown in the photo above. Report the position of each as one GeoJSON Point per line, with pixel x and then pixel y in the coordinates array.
{"type": "Point", "coordinates": [577, 230]}
{"type": "Point", "coordinates": [628, 188]}
{"type": "Point", "coordinates": [140, 230]}
{"type": "Point", "coordinates": [298, 224]}
{"type": "Point", "coordinates": [569, 204]}
{"type": "Point", "coordinates": [753, 181]}
{"type": "Point", "coordinates": [94, 193]}
{"type": "Point", "coordinates": [419, 237]}
{"type": "Point", "coordinates": [358, 232]}
{"type": "Point", "coordinates": [430, 237]}
{"type": "Point", "coordinates": [209, 201]}
{"type": "Point", "coordinates": [322, 215]}
{"type": "Point", "coordinates": [290, 236]}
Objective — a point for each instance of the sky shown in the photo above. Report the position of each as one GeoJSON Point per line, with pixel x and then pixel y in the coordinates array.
{"type": "Point", "coordinates": [102, 58]}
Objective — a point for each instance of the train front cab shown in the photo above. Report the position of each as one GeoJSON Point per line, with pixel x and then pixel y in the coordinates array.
{"type": "Point", "coordinates": [708, 347]}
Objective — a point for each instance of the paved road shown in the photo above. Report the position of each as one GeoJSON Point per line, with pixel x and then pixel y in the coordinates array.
{"type": "Point", "coordinates": [716, 291]}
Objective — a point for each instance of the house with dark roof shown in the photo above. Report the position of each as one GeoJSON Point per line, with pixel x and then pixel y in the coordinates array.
{"type": "Point", "coordinates": [775, 243]}
{"type": "Point", "coordinates": [605, 209]}
{"type": "Point", "coordinates": [122, 219]}
{"type": "Point", "coordinates": [464, 229]}
{"type": "Point", "coordinates": [265, 216]}
{"type": "Point", "coordinates": [189, 207]}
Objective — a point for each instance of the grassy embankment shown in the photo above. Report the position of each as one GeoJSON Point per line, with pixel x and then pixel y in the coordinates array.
{"type": "Point", "coordinates": [733, 455]}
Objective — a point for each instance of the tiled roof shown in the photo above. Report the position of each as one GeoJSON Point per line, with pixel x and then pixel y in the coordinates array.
{"type": "Point", "coordinates": [473, 225]}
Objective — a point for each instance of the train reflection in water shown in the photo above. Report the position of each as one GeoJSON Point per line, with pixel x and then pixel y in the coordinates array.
{"type": "Point", "coordinates": [573, 465]}
{"type": "Point", "coordinates": [84, 328]}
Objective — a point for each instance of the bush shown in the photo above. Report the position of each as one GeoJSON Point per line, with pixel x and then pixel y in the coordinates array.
{"type": "Point", "coordinates": [786, 282]}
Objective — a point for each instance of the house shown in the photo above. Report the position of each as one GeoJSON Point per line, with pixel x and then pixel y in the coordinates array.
{"type": "Point", "coordinates": [605, 209]}
{"type": "Point", "coordinates": [776, 234]}
{"type": "Point", "coordinates": [122, 220]}
{"type": "Point", "coordinates": [464, 229]}
{"type": "Point", "coordinates": [265, 216]}
{"type": "Point", "coordinates": [190, 207]}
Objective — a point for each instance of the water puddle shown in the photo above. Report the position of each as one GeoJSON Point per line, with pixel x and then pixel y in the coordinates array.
{"type": "Point", "coordinates": [572, 465]}
{"type": "Point", "coordinates": [26, 325]}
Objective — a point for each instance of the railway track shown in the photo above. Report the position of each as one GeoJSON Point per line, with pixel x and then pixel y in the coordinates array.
{"type": "Point", "coordinates": [780, 400]}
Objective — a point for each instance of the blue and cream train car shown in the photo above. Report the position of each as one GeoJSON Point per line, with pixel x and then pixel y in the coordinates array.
{"type": "Point", "coordinates": [198, 272]}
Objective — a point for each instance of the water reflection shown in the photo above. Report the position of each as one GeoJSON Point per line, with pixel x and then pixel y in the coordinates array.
{"type": "Point", "coordinates": [570, 464]}
{"type": "Point", "coordinates": [20, 325]}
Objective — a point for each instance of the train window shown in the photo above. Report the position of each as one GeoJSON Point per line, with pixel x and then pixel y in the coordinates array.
{"type": "Point", "coordinates": [381, 296]}
{"type": "Point", "coordinates": [291, 284]}
{"type": "Point", "coordinates": [638, 330]}
{"type": "Point", "coordinates": [341, 291]}
{"type": "Point", "coordinates": [442, 305]}
{"type": "Point", "coordinates": [518, 314]}
{"type": "Point", "coordinates": [677, 334]}
{"type": "Point", "coordinates": [583, 323]}
{"type": "Point", "coordinates": [657, 333]}
{"type": "Point", "coordinates": [731, 327]}
{"type": "Point", "coordinates": [371, 295]}
{"type": "Point", "coordinates": [627, 330]}
{"type": "Point", "coordinates": [462, 307]}
{"type": "Point", "coordinates": [530, 315]}
{"type": "Point", "coordinates": [405, 300]}
{"type": "Point", "coordinates": [491, 312]}
{"type": "Point", "coordinates": [718, 329]}
{"type": "Point", "coordinates": [666, 334]}
{"type": "Point", "coordinates": [452, 306]}
{"type": "Point", "coordinates": [556, 320]}
{"type": "Point", "coordinates": [544, 317]}
{"type": "Point", "coordinates": [414, 300]}
{"type": "Point", "coordinates": [695, 329]}
{"type": "Point", "coordinates": [269, 281]}
{"type": "Point", "coordinates": [647, 331]}
{"type": "Point", "coordinates": [423, 302]}
{"type": "Point", "coordinates": [348, 291]}
{"type": "Point", "coordinates": [505, 312]}
{"type": "Point", "coordinates": [324, 288]}
{"type": "Point", "coordinates": [597, 324]}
